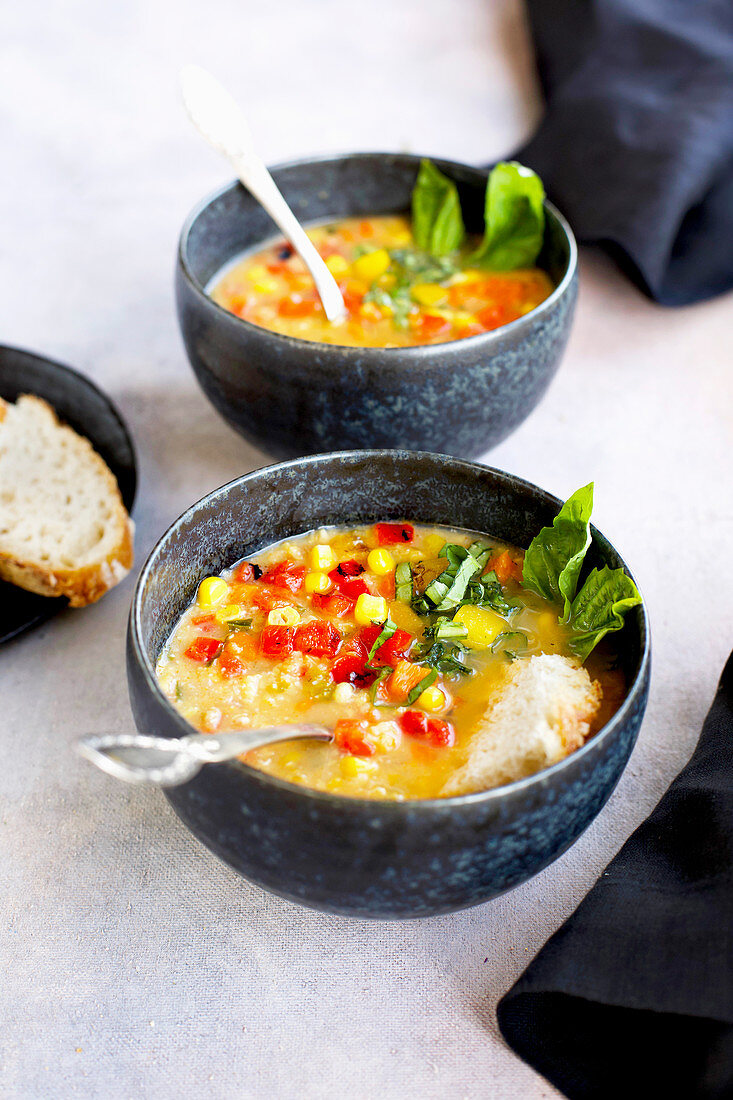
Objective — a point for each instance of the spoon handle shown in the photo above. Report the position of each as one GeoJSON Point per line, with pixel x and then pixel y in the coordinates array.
{"type": "Point", "coordinates": [219, 119]}
{"type": "Point", "coordinates": [256, 178]}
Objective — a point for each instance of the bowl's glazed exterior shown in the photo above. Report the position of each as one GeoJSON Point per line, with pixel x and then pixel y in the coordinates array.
{"type": "Point", "coordinates": [292, 397]}
{"type": "Point", "coordinates": [351, 856]}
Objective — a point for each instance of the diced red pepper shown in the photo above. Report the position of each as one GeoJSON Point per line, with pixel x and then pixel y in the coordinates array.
{"type": "Point", "coordinates": [390, 652]}
{"type": "Point", "coordinates": [230, 665]}
{"type": "Point", "coordinates": [285, 575]}
{"type": "Point", "coordinates": [351, 735]}
{"type": "Point", "coordinates": [276, 641]}
{"type": "Point", "coordinates": [432, 730]}
{"type": "Point", "coordinates": [335, 605]}
{"type": "Point", "coordinates": [349, 667]}
{"type": "Point", "coordinates": [346, 577]}
{"type": "Point", "coordinates": [390, 533]}
{"type": "Point", "coordinates": [203, 649]}
{"type": "Point", "coordinates": [320, 638]}
{"type": "Point", "coordinates": [246, 572]}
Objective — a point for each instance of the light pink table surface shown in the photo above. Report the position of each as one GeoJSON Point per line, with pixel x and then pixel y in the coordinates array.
{"type": "Point", "coordinates": [134, 964]}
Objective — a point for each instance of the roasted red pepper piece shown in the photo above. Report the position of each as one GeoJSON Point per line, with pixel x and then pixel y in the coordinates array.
{"type": "Point", "coordinates": [432, 730]}
{"type": "Point", "coordinates": [349, 666]}
{"type": "Point", "coordinates": [320, 638]}
{"type": "Point", "coordinates": [390, 652]}
{"type": "Point", "coordinates": [285, 575]}
{"type": "Point", "coordinates": [203, 649]}
{"type": "Point", "coordinates": [335, 605]}
{"type": "Point", "coordinates": [351, 735]}
{"type": "Point", "coordinates": [276, 641]}
{"type": "Point", "coordinates": [247, 572]}
{"type": "Point", "coordinates": [346, 577]}
{"type": "Point", "coordinates": [390, 533]}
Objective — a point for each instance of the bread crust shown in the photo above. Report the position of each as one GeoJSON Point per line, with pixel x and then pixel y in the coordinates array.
{"type": "Point", "coordinates": [86, 584]}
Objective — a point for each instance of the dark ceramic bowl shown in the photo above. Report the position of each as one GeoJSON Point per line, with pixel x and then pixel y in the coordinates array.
{"type": "Point", "coordinates": [292, 397]}
{"type": "Point", "coordinates": [358, 857]}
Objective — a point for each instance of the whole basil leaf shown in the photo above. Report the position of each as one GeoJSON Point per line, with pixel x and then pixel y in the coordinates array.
{"type": "Point", "coordinates": [555, 556]}
{"type": "Point", "coordinates": [437, 224]}
{"type": "Point", "coordinates": [599, 608]}
{"type": "Point", "coordinates": [515, 219]}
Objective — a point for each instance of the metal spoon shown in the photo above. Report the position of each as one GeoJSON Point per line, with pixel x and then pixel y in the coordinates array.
{"type": "Point", "coordinates": [218, 118]}
{"type": "Point", "coordinates": [166, 762]}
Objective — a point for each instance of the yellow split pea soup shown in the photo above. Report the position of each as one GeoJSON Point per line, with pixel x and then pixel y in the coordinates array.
{"type": "Point", "coordinates": [395, 295]}
{"type": "Point", "coordinates": [348, 628]}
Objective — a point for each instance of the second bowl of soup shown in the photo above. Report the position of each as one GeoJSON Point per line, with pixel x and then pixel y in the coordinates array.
{"type": "Point", "coordinates": [449, 358]}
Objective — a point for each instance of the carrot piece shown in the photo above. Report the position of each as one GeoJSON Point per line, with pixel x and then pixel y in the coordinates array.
{"type": "Point", "coordinates": [405, 677]}
{"type": "Point", "coordinates": [505, 567]}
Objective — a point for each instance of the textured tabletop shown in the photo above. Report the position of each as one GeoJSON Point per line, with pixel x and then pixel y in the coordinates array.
{"type": "Point", "coordinates": [134, 963]}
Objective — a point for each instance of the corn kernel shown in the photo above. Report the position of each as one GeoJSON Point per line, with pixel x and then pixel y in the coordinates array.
{"type": "Point", "coordinates": [374, 264]}
{"type": "Point", "coordinates": [380, 561]}
{"type": "Point", "coordinates": [337, 265]}
{"type": "Point", "coordinates": [257, 271]}
{"type": "Point", "coordinates": [230, 611]}
{"type": "Point", "coordinates": [432, 545]}
{"type": "Point", "coordinates": [431, 699]}
{"type": "Point", "coordinates": [318, 582]}
{"type": "Point", "coordinates": [370, 609]}
{"type": "Point", "coordinates": [429, 294]}
{"type": "Point", "coordinates": [283, 616]}
{"type": "Point", "coordinates": [484, 626]}
{"type": "Point", "coordinates": [323, 558]}
{"type": "Point", "coordinates": [212, 591]}
{"type": "Point", "coordinates": [354, 766]}
{"type": "Point", "coordinates": [265, 286]}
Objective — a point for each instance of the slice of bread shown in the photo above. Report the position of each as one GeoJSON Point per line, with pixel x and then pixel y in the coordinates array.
{"type": "Point", "coordinates": [541, 713]}
{"type": "Point", "coordinates": [64, 530]}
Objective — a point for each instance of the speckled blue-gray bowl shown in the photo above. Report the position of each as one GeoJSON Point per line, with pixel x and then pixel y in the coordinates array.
{"type": "Point", "coordinates": [292, 397]}
{"type": "Point", "coordinates": [352, 856]}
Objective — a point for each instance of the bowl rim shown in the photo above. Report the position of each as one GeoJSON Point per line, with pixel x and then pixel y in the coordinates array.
{"type": "Point", "coordinates": [393, 806]}
{"type": "Point", "coordinates": [414, 353]}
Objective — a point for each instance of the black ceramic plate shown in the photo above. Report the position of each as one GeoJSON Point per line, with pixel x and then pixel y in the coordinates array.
{"type": "Point", "coordinates": [86, 409]}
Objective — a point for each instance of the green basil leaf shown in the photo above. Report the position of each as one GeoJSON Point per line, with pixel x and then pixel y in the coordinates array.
{"type": "Point", "coordinates": [238, 624]}
{"type": "Point", "coordinates": [515, 219]}
{"type": "Point", "coordinates": [382, 675]}
{"type": "Point", "coordinates": [418, 689]}
{"type": "Point", "coordinates": [403, 587]}
{"type": "Point", "coordinates": [437, 224]}
{"type": "Point", "coordinates": [599, 608]}
{"type": "Point", "coordinates": [555, 556]}
{"type": "Point", "coordinates": [481, 551]}
{"type": "Point", "coordinates": [457, 590]}
{"type": "Point", "coordinates": [388, 629]}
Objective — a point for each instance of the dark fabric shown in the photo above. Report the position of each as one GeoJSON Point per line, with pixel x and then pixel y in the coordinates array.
{"type": "Point", "coordinates": [633, 996]}
{"type": "Point", "coordinates": [636, 146]}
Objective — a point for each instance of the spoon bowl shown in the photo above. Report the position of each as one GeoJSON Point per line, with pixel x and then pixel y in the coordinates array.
{"type": "Point", "coordinates": [145, 759]}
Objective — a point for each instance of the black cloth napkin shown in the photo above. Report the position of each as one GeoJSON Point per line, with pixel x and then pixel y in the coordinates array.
{"type": "Point", "coordinates": [633, 996]}
{"type": "Point", "coordinates": [636, 146]}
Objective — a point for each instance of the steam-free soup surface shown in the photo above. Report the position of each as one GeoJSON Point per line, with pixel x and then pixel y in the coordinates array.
{"type": "Point", "coordinates": [395, 295]}
{"type": "Point", "coordinates": [287, 636]}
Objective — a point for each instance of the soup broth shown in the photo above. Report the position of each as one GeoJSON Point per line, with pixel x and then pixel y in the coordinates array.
{"type": "Point", "coordinates": [330, 627]}
{"type": "Point", "coordinates": [395, 295]}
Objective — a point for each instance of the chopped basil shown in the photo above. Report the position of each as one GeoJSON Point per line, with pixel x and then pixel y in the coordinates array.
{"type": "Point", "coordinates": [239, 624]}
{"type": "Point", "coordinates": [426, 681]}
{"type": "Point", "coordinates": [179, 691]}
{"type": "Point", "coordinates": [403, 582]}
{"type": "Point", "coordinates": [388, 629]}
{"type": "Point", "coordinates": [382, 675]}
{"type": "Point", "coordinates": [515, 638]}
{"type": "Point", "coordinates": [457, 589]}
{"type": "Point", "coordinates": [444, 657]}
{"type": "Point", "coordinates": [481, 551]}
